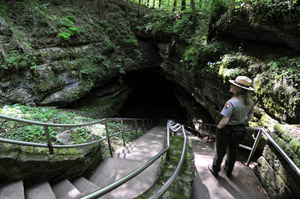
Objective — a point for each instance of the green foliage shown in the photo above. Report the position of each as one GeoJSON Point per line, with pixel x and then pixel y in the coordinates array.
{"type": "Point", "coordinates": [3, 12]}
{"type": "Point", "coordinates": [158, 23]}
{"type": "Point", "coordinates": [267, 10]}
{"type": "Point", "coordinates": [203, 56]}
{"type": "Point", "coordinates": [68, 30]}
{"type": "Point", "coordinates": [289, 67]}
{"type": "Point", "coordinates": [34, 133]}
{"type": "Point", "coordinates": [182, 23]}
{"type": "Point", "coordinates": [16, 61]}
{"type": "Point", "coordinates": [130, 41]}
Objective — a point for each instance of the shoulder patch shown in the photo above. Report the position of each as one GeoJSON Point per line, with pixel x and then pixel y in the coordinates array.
{"type": "Point", "coordinates": [227, 105]}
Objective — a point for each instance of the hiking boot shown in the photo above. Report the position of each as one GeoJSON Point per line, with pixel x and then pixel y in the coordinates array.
{"type": "Point", "coordinates": [227, 171]}
{"type": "Point", "coordinates": [210, 168]}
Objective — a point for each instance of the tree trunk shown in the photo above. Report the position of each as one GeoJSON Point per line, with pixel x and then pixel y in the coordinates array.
{"type": "Point", "coordinates": [183, 5]}
{"type": "Point", "coordinates": [193, 9]}
{"type": "Point", "coordinates": [174, 6]}
{"type": "Point", "coordinates": [153, 3]}
{"type": "Point", "coordinates": [148, 3]}
{"type": "Point", "coordinates": [100, 7]}
{"type": "Point", "coordinates": [139, 8]}
{"type": "Point", "coordinates": [159, 4]}
{"type": "Point", "coordinates": [127, 5]}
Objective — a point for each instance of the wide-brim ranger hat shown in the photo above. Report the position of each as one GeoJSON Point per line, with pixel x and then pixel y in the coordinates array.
{"type": "Point", "coordinates": [242, 82]}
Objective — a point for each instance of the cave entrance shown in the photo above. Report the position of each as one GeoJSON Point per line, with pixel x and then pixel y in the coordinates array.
{"type": "Point", "coordinates": [153, 96]}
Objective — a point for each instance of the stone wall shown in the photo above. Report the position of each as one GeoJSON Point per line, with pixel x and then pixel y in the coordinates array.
{"type": "Point", "coordinates": [33, 164]}
{"type": "Point", "coordinates": [279, 180]}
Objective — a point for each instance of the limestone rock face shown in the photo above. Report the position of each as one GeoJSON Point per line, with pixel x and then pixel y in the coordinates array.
{"type": "Point", "coordinates": [261, 23]}
{"type": "Point", "coordinates": [37, 165]}
{"type": "Point", "coordinates": [42, 66]}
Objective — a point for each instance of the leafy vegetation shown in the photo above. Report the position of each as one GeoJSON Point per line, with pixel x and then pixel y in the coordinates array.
{"type": "Point", "coordinates": [285, 66]}
{"type": "Point", "coordinates": [34, 133]}
{"type": "Point", "coordinates": [16, 61]}
{"type": "Point", "coordinates": [69, 29]}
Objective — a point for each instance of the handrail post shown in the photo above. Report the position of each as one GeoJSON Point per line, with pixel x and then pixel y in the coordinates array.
{"type": "Point", "coordinates": [143, 126]}
{"type": "Point", "coordinates": [46, 129]}
{"type": "Point", "coordinates": [123, 136]}
{"type": "Point", "coordinates": [168, 141]}
{"type": "Point", "coordinates": [259, 134]}
{"type": "Point", "coordinates": [136, 129]}
{"type": "Point", "coordinates": [108, 139]}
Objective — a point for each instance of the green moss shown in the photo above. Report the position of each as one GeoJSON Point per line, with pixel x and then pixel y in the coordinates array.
{"type": "Point", "coordinates": [67, 151]}
{"type": "Point", "coordinates": [266, 119]}
{"type": "Point", "coordinates": [278, 97]}
{"type": "Point", "coordinates": [295, 145]}
{"type": "Point", "coordinates": [181, 187]}
{"type": "Point", "coordinates": [284, 132]}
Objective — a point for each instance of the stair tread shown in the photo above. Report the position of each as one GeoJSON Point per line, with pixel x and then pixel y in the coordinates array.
{"type": "Point", "coordinates": [132, 156]}
{"type": "Point", "coordinates": [139, 149]}
{"type": "Point", "coordinates": [85, 186]}
{"type": "Point", "coordinates": [13, 190]}
{"type": "Point", "coordinates": [65, 190]}
{"type": "Point", "coordinates": [113, 169]}
{"type": "Point", "coordinates": [109, 170]}
{"type": "Point", "coordinates": [39, 191]}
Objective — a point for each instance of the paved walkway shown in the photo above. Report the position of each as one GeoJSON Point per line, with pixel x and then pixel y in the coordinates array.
{"type": "Point", "coordinates": [243, 184]}
{"type": "Point", "coordinates": [127, 159]}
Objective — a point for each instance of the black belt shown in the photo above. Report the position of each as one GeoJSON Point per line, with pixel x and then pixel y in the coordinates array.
{"type": "Point", "coordinates": [236, 125]}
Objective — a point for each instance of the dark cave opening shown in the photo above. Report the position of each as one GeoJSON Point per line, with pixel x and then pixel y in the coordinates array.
{"type": "Point", "coordinates": [153, 96]}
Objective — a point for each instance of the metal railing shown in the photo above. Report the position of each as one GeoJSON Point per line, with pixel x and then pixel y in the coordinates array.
{"type": "Point", "coordinates": [260, 132]}
{"type": "Point", "coordinates": [208, 129]}
{"type": "Point", "coordinates": [170, 126]}
{"type": "Point", "coordinates": [276, 146]}
{"type": "Point", "coordinates": [49, 141]}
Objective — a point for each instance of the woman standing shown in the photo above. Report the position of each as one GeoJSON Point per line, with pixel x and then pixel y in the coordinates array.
{"type": "Point", "coordinates": [231, 129]}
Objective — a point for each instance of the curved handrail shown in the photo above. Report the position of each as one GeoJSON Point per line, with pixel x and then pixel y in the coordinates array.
{"type": "Point", "coordinates": [65, 125]}
{"type": "Point", "coordinates": [49, 142]}
{"type": "Point", "coordinates": [255, 144]}
{"type": "Point", "coordinates": [137, 171]}
{"type": "Point", "coordinates": [277, 147]}
{"type": "Point", "coordinates": [167, 184]}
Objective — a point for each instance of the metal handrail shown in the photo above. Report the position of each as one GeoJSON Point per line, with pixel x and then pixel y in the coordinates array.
{"type": "Point", "coordinates": [49, 142]}
{"type": "Point", "coordinates": [134, 173]}
{"type": "Point", "coordinates": [262, 131]}
{"type": "Point", "coordinates": [277, 147]}
{"type": "Point", "coordinates": [167, 184]}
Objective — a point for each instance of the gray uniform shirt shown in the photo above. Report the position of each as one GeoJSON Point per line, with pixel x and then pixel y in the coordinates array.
{"type": "Point", "coordinates": [236, 111]}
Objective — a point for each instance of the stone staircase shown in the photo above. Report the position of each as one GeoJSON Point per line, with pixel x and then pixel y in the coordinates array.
{"type": "Point", "coordinates": [125, 160]}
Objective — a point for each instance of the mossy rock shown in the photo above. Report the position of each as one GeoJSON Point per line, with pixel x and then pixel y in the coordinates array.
{"type": "Point", "coordinates": [290, 134]}
{"type": "Point", "coordinates": [34, 164]}
{"type": "Point", "coordinates": [273, 183]}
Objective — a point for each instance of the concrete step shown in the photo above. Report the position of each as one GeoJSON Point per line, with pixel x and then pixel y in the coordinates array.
{"type": "Point", "coordinates": [139, 149]}
{"type": "Point", "coordinates": [39, 191]}
{"type": "Point", "coordinates": [65, 190]}
{"type": "Point", "coordinates": [113, 169]}
{"type": "Point", "coordinates": [85, 186]}
{"type": "Point", "coordinates": [13, 190]}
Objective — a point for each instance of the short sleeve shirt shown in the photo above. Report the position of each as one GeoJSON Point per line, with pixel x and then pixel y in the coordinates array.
{"type": "Point", "coordinates": [236, 110]}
